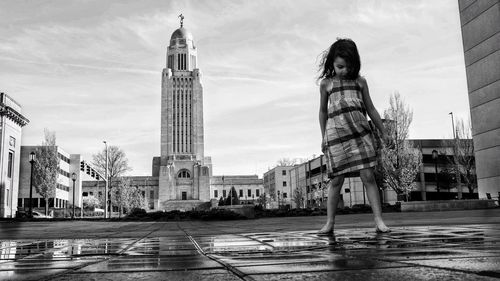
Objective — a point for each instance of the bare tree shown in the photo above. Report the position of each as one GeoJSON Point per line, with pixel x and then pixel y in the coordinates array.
{"type": "Point", "coordinates": [400, 162]}
{"type": "Point", "coordinates": [126, 196]}
{"type": "Point", "coordinates": [46, 168]}
{"type": "Point", "coordinates": [120, 193]}
{"type": "Point", "coordinates": [117, 162]}
{"type": "Point", "coordinates": [298, 197]}
{"type": "Point", "coordinates": [117, 166]}
{"type": "Point", "coordinates": [262, 200]}
{"type": "Point", "coordinates": [463, 155]}
{"type": "Point", "coordinates": [137, 199]}
{"type": "Point", "coordinates": [398, 119]}
{"type": "Point", "coordinates": [286, 162]}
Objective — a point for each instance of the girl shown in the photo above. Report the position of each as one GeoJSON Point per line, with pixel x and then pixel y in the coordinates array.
{"type": "Point", "coordinates": [348, 141]}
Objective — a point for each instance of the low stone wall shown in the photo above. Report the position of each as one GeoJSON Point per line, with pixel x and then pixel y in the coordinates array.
{"type": "Point", "coordinates": [181, 205]}
{"type": "Point", "coordinates": [245, 210]}
{"type": "Point", "coordinates": [447, 205]}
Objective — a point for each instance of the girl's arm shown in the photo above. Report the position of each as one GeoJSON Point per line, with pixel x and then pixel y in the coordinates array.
{"type": "Point", "coordinates": [370, 109]}
{"type": "Point", "coordinates": [323, 109]}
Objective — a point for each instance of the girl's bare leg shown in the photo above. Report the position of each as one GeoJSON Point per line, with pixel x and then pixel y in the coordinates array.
{"type": "Point", "coordinates": [373, 196]}
{"type": "Point", "coordinates": [333, 201]}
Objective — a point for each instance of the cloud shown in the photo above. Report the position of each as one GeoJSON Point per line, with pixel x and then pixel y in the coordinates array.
{"type": "Point", "coordinates": [91, 70]}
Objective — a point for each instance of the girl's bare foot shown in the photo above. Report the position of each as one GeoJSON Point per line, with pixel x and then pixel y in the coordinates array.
{"type": "Point", "coordinates": [327, 228]}
{"type": "Point", "coordinates": [382, 228]}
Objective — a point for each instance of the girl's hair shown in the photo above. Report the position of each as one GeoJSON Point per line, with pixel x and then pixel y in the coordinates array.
{"type": "Point", "coordinates": [346, 49]}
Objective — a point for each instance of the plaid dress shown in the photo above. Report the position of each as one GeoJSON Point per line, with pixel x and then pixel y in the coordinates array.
{"type": "Point", "coordinates": [348, 137]}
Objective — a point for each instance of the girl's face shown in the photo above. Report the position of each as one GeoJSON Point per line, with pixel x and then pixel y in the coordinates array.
{"type": "Point", "coordinates": [340, 67]}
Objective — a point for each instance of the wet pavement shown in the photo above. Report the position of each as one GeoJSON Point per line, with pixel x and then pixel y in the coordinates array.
{"type": "Point", "coordinates": [265, 249]}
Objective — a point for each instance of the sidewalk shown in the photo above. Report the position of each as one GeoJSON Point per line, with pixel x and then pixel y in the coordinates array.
{"type": "Point", "coordinates": [457, 245]}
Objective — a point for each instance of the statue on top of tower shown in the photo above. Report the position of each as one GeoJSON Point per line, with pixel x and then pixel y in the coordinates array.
{"type": "Point", "coordinates": [182, 19]}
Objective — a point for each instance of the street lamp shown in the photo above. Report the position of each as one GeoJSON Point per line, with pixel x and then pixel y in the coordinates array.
{"type": "Point", "coordinates": [32, 161]}
{"type": "Point", "coordinates": [278, 199]}
{"type": "Point", "coordinates": [453, 125]}
{"type": "Point", "coordinates": [435, 158]}
{"type": "Point", "coordinates": [455, 151]}
{"type": "Point", "coordinates": [73, 178]}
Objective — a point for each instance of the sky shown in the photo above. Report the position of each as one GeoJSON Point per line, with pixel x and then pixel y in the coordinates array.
{"type": "Point", "coordinates": [91, 71]}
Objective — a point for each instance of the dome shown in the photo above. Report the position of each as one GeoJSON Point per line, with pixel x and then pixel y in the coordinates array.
{"type": "Point", "coordinates": [181, 33]}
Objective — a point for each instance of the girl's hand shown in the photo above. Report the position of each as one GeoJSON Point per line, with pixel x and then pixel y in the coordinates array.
{"type": "Point", "coordinates": [385, 138]}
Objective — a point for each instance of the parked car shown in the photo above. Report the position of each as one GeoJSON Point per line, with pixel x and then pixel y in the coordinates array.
{"type": "Point", "coordinates": [38, 215]}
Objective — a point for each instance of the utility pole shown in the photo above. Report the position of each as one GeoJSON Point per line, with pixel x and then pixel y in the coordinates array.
{"type": "Point", "coordinates": [106, 182]}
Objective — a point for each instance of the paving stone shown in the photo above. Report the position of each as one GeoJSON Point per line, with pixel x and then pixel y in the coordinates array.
{"type": "Point", "coordinates": [22, 274]}
{"type": "Point", "coordinates": [337, 264]}
{"type": "Point", "coordinates": [386, 274]}
{"type": "Point", "coordinates": [485, 265]}
{"type": "Point", "coordinates": [143, 263]}
{"type": "Point", "coordinates": [271, 249]}
{"type": "Point", "coordinates": [207, 275]}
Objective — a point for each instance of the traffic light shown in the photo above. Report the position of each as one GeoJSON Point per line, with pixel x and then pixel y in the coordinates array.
{"type": "Point", "coordinates": [82, 166]}
{"type": "Point", "coordinates": [92, 173]}
{"type": "Point", "coordinates": [97, 176]}
{"type": "Point", "coordinates": [88, 170]}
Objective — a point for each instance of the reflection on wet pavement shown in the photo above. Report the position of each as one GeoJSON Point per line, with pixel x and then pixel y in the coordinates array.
{"type": "Point", "coordinates": [473, 250]}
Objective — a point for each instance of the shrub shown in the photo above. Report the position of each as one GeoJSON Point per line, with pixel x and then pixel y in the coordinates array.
{"type": "Point", "coordinates": [137, 212]}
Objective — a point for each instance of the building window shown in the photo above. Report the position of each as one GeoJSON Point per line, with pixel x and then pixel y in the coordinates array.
{"type": "Point", "coordinates": [241, 192]}
{"type": "Point", "coordinates": [283, 172]}
{"type": "Point", "coordinates": [249, 193]}
{"type": "Point", "coordinates": [85, 194]}
{"type": "Point", "coordinates": [216, 194]}
{"type": "Point", "coordinates": [284, 195]}
{"type": "Point", "coordinates": [8, 196]}
{"type": "Point", "coordinates": [224, 193]}
{"type": "Point", "coordinates": [63, 158]}
{"type": "Point", "coordinates": [284, 183]}
{"type": "Point", "coordinates": [184, 174]}
{"type": "Point", "coordinates": [10, 164]}
{"type": "Point", "coordinates": [184, 195]}
{"type": "Point", "coordinates": [20, 202]}
{"type": "Point", "coordinates": [257, 192]}
{"type": "Point", "coordinates": [152, 194]}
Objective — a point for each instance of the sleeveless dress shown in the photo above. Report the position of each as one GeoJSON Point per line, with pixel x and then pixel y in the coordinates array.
{"type": "Point", "coordinates": [350, 143]}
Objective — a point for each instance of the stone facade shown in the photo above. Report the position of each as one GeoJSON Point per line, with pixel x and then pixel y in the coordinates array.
{"type": "Point", "coordinates": [63, 197]}
{"type": "Point", "coordinates": [11, 123]}
{"type": "Point", "coordinates": [248, 187]}
{"type": "Point", "coordinates": [182, 169]}
{"type": "Point", "coordinates": [147, 185]}
{"type": "Point", "coordinates": [277, 185]}
{"type": "Point", "coordinates": [480, 22]}
{"type": "Point", "coordinates": [182, 175]}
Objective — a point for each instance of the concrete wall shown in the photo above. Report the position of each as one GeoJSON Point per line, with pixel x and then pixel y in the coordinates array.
{"type": "Point", "coordinates": [429, 206]}
{"type": "Point", "coordinates": [10, 141]}
{"type": "Point", "coordinates": [480, 22]}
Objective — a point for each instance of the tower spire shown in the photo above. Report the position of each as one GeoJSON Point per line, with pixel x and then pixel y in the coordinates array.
{"type": "Point", "coordinates": [182, 19]}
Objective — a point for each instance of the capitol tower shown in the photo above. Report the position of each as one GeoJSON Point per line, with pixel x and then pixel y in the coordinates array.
{"type": "Point", "coordinates": [182, 169]}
